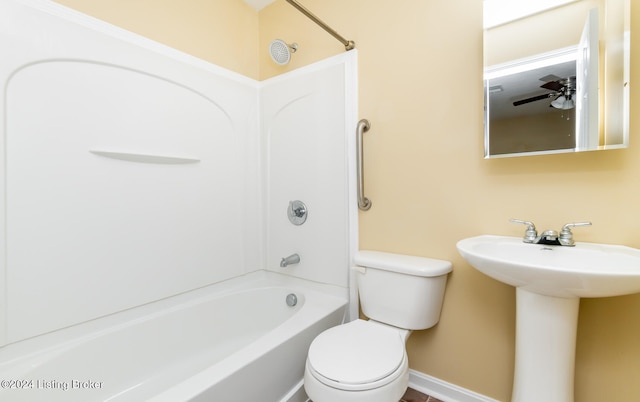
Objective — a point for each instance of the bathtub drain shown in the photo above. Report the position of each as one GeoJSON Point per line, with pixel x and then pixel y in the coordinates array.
{"type": "Point", "coordinates": [292, 299]}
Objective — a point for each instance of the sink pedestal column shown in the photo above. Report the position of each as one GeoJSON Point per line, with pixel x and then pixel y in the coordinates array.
{"type": "Point", "coordinates": [546, 329]}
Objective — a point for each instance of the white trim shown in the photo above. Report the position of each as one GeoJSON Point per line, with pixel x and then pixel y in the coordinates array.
{"type": "Point", "coordinates": [424, 383]}
{"type": "Point", "coordinates": [443, 390]}
{"type": "Point", "coordinates": [563, 55]}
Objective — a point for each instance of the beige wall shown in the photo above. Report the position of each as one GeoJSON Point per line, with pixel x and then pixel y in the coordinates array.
{"type": "Point", "coordinates": [421, 86]}
{"type": "Point", "coordinates": [224, 32]}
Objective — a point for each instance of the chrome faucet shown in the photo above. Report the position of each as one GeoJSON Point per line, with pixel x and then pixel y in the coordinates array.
{"type": "Point", "coordinates": [531, 234]}
{"type": "Point", "coordinates": [292, 259]}
{"type": "Point", "coordinates": [566, 236]}
{"type": "Point", "coordinates": [551, 237]}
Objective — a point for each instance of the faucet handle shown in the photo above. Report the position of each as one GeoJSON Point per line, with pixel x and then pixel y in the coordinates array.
{"type": "Point", "coordinates": [531, 234]}
{"type": "Point", "coordinates": [566, 236]}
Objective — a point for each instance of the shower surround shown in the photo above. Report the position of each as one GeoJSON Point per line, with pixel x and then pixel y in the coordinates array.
{"type": "Point", "coordinates": [133, 173]}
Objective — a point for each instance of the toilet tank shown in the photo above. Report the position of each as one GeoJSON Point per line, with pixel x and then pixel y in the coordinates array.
{"type": "Point", "coordinates": [401, 290]}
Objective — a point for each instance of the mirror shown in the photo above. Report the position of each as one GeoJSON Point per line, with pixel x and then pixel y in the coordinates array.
{"type": "Point", "coordinates": [555, 80]}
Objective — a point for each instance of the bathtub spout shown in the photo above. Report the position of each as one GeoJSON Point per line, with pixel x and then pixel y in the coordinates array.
{"type": "Point", "coordinates": [292, 259]}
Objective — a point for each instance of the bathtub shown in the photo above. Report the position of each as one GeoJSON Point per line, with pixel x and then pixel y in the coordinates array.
{"type": "Point", "coordinates": [238, 340]}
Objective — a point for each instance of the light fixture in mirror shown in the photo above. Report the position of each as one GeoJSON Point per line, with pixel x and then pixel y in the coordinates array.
{"type": "Point", "coordinates": [555, 79]}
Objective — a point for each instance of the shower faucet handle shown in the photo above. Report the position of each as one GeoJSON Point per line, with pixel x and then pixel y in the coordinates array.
{"type": "Point", "coordinates": [297, 212]}
{"type": "Point", "coordinates": [531, 234]}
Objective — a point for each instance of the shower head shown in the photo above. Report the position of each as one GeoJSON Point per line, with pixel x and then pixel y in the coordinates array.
{"type": "Point", "coordinates": [281, 52]}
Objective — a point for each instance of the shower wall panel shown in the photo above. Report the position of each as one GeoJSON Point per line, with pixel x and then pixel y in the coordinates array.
{"type": "Point", "coordinates": [130, 171]}
{"type": "Point", "coordinates": [308, 120]}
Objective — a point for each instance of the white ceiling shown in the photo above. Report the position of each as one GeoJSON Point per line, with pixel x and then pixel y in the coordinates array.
{"type": "Point", "coordinates": [259, 4]}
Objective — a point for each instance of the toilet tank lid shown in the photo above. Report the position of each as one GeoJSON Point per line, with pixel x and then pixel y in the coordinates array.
{"type": "Point", "coordinates": [404, 264]}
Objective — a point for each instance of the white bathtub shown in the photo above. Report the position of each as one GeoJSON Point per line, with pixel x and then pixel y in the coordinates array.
{"type": "Point", "coordinates": [237, 340]}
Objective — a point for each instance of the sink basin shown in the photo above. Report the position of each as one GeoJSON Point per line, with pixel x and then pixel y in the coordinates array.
{"type": "Point", "coordinates": [586, 270]}
{"type": "Point", "coordinates": [549, 281]}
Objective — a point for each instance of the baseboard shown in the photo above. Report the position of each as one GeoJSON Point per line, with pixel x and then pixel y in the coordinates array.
{"type": "Point", "coordinates": [443, 390]}
{"type": "Point", "coordinates": [420, 382]}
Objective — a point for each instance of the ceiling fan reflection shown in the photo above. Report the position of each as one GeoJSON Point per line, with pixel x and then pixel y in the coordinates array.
{"type": "Point", "coordinates": [563, 91]}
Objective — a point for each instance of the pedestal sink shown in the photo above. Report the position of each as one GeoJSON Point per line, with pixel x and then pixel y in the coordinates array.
{"type": "Point", "coordinates": [549, 281]}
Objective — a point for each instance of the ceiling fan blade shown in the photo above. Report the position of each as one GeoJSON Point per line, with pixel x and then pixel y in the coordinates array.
{"type": "Point", "coordinates": [552, 85]}
{"type": "Point", "coordinates": [532, 99]}
{"type": "Point", "coordinates": [550, 77]}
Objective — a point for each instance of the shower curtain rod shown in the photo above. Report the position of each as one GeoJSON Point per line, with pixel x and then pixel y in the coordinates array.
{"type": "Point", "coordinates": [348, 44]}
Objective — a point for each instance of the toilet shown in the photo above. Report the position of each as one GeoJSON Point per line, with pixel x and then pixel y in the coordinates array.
{"type": "Point", "coordinates": [366, 360]}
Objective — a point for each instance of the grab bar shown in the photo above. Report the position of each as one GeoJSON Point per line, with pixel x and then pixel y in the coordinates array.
{"type": "Point", "coordinates": [363, 126]}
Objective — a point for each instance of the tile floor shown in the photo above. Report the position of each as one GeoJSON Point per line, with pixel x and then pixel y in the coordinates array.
{"type": "Point", "coordinates": [415, 396]}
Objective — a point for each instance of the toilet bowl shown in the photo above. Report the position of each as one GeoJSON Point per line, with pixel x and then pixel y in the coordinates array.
{"type": "Point", "coordinates": [366, 360]}
{"type": "Point", "coordinates": [358, 361]}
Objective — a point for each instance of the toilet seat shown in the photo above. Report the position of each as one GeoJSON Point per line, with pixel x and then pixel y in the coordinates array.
{"type": "Point", "coordinates": [358, 356]}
